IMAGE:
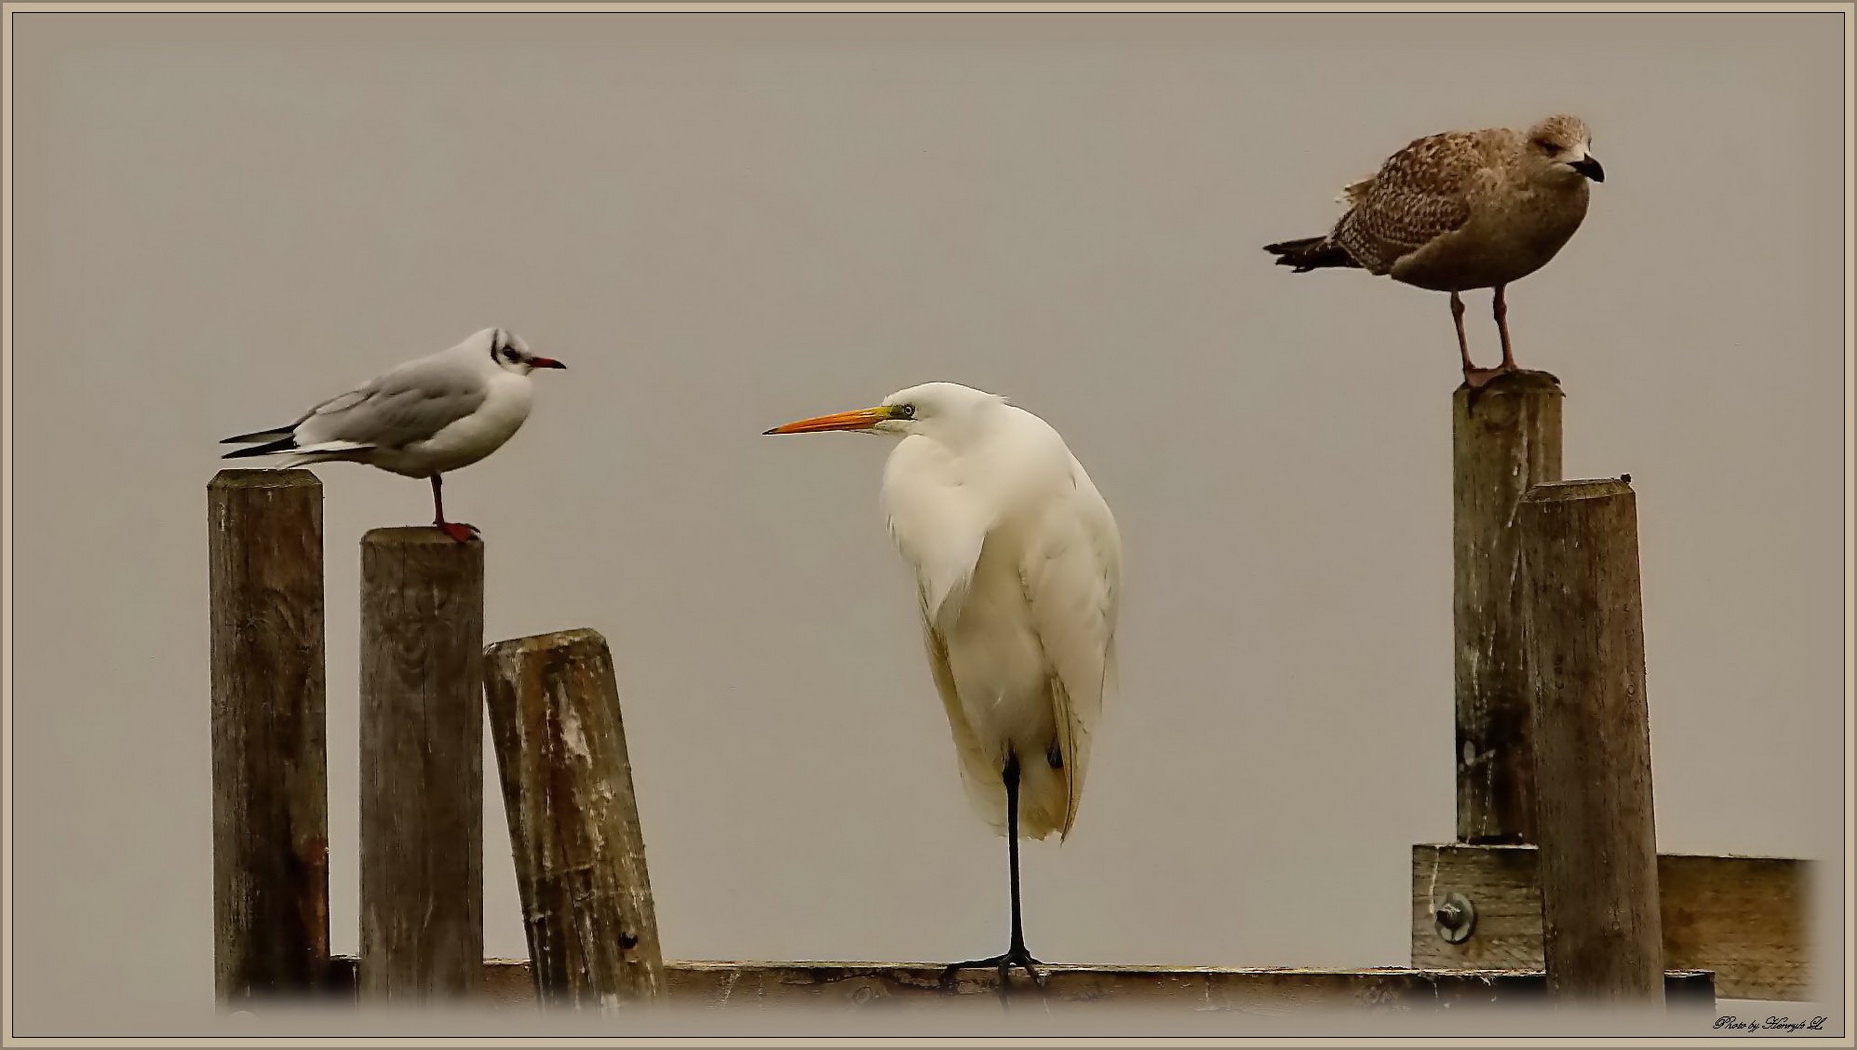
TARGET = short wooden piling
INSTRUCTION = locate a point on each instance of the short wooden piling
(422, 636)
(1583, 628)
(270, 786)
(1505, 438)
(573, 821)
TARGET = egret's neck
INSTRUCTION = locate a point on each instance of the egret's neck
(970, 432)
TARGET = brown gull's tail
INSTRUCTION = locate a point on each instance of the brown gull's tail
(1310, 253)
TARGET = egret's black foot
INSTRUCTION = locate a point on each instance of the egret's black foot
(1017, 956)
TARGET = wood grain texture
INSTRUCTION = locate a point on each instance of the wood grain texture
(1583, 629)
(914, 986)
(270, 780)
(422, 636)
(573, 821)
(1504, 438)
(1742, 917)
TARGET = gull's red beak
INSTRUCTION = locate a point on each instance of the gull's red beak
(545, 362)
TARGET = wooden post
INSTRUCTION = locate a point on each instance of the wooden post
(1745, 918)
(422, 636)
(573, 822)
(1505, 438)
(1584, 630)
(270, 787)
(883, 991)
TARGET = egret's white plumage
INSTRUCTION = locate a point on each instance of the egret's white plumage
(1018, 573)
(1018, 569)
(1017, 565)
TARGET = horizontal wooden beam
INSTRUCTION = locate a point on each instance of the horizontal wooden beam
(753, 985)
(1742, 917)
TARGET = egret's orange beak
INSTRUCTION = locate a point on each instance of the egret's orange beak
(861, 419)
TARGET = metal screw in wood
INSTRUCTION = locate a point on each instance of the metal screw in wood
(1455, 919)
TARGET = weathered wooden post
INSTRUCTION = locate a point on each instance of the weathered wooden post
(1584, 631)
(1505, 438)
(270, 787)
(422, 636)
(573, 822)
(1477, 902)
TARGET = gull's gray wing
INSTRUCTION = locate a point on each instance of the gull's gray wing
(400, 407)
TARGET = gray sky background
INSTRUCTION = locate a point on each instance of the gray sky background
(725, 222)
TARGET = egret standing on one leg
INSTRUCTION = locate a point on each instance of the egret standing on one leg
(1018, 571)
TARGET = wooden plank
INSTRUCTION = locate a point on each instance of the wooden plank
(1583, 636)
(573, 821)
(270, 779)
(422, 715)
(1742, 917)
(772, 985)
(1504, 438)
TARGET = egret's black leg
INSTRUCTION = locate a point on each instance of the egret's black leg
(1016, 955)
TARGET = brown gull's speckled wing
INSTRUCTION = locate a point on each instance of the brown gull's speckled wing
(1419, 194)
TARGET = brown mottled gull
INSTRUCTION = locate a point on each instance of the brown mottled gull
(1462, 210)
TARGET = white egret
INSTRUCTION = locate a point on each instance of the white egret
(431, 415)
(1018, 568)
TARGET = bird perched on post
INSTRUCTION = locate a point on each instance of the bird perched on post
(422, 419)
(1018, 569)
(1463, 210)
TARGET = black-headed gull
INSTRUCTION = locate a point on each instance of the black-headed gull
(422, 419)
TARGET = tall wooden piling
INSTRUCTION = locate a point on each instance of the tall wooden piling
(422, 636)
(270, 779)
(1505, 438)
(573, 821)
(1584, 632)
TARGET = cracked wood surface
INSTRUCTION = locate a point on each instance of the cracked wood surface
(1505, 437)
(573, 821)
(422, 782)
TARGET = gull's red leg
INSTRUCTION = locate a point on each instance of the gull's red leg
(1474, 377)
(1500, 307)
(456, 530)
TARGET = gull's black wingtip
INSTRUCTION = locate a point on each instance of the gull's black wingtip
(269, 448)
(268, 434)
